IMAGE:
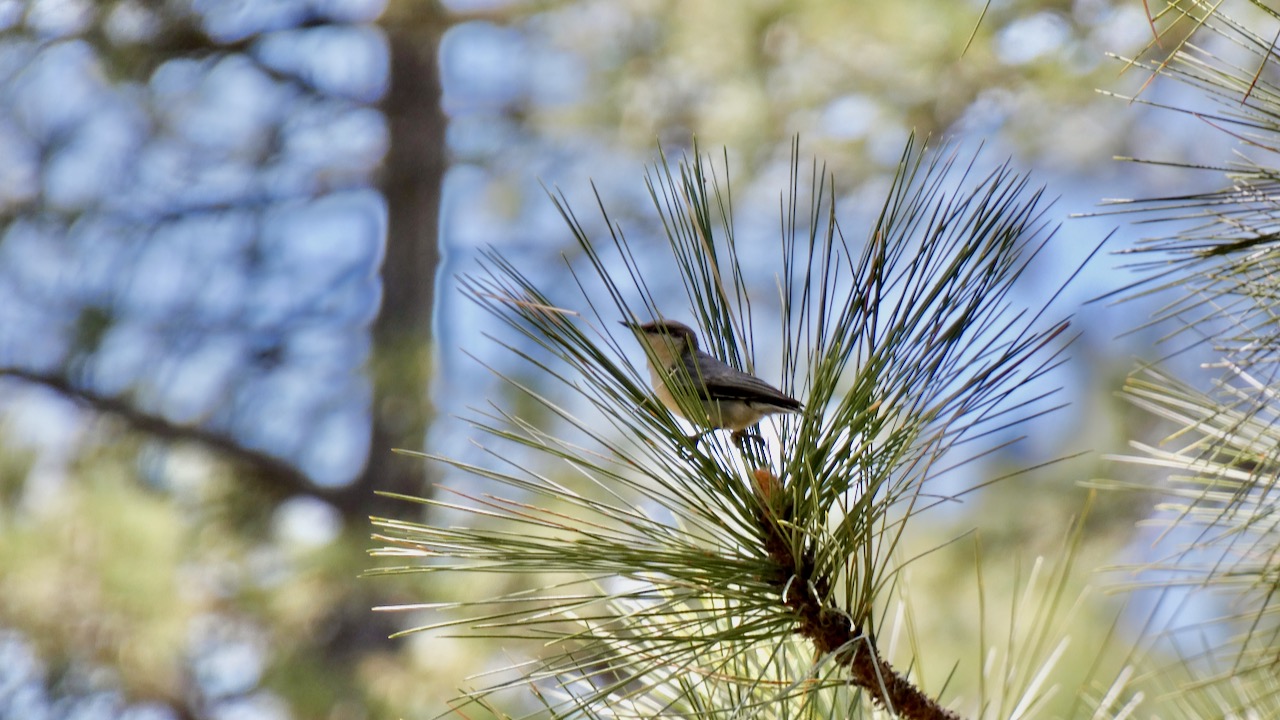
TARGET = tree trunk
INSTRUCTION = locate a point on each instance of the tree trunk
(413, 176)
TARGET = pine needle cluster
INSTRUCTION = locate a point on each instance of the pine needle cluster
(688, 577)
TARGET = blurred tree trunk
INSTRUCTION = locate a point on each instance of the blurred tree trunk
(413, 175)
(412, 178)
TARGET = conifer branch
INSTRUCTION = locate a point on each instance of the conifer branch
(803, 589)
(674, 584)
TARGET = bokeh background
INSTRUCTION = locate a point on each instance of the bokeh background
(231, 235)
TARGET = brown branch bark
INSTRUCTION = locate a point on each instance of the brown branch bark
(803, 589)
(282, 476)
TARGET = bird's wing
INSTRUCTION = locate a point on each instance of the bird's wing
(724, 382)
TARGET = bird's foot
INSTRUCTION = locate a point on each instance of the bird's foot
(690, 450)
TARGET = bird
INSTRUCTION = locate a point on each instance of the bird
(731, 399)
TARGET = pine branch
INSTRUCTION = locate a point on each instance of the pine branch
(805, 591)
(659, 578)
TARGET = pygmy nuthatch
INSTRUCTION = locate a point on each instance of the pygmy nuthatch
(730, 398)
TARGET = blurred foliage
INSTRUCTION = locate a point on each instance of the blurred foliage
(851, 78)
(94, 575)
(190, 234)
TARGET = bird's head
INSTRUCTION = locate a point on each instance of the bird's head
(665, 340)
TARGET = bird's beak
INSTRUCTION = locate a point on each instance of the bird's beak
(628, 324)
